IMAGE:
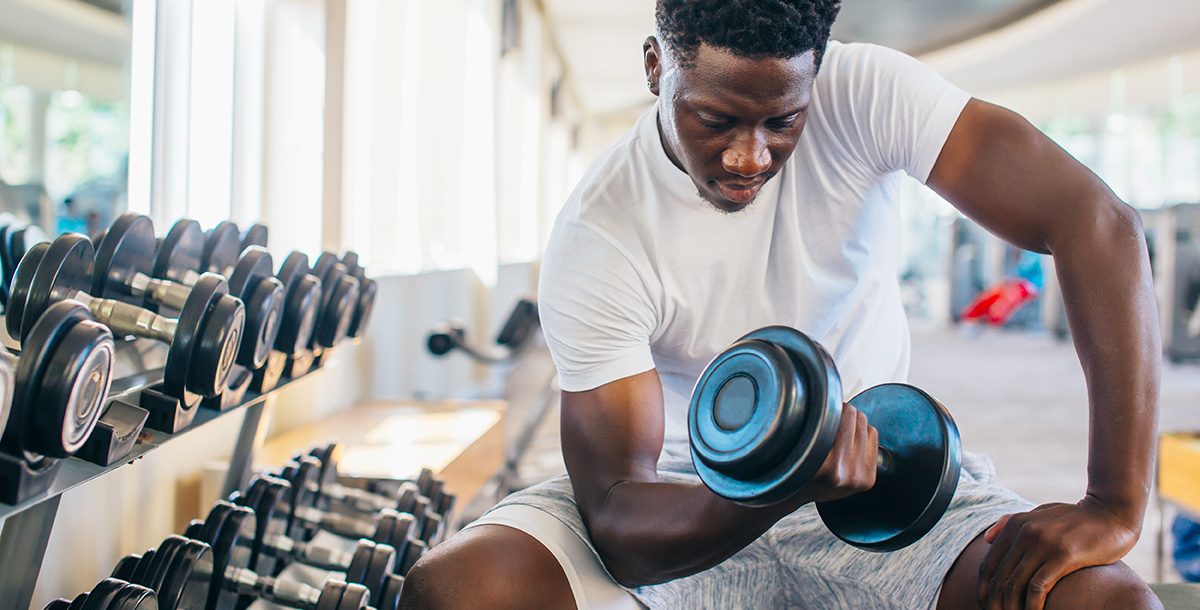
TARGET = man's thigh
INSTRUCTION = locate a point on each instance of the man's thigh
(488, 566)
(1113, 586)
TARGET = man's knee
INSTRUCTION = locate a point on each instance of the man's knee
(484, 567)
(1113, 586)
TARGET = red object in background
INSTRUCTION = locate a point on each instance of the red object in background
(998, 303)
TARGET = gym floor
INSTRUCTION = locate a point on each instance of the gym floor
(1018, 398)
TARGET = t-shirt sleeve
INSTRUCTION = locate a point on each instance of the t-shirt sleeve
(901, 111)
(595, 308)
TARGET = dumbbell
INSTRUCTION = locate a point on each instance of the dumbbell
(129, 269)
(255, 235)
(304, 472)
(763, 418)
(15, 240)
(275, 501)
(191, 575)
(367, 288)
(404, 496)
(110, 594)
(339, 296)
(203, 340)
(368, 564)
(53, 394)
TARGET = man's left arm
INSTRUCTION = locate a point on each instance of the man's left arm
(1014, 181)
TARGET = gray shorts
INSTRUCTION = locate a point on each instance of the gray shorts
(799, 564)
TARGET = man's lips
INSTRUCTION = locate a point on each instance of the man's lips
(739, 192)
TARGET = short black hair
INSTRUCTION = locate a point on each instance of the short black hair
(747, 28)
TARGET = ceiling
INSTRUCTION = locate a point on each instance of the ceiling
(601, 41)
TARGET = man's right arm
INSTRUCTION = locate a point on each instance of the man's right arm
(648, 531)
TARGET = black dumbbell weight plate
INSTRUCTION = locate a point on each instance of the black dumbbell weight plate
(181, 251)
(324, 264)
(220, 533)
(62, 379)
(360, 561)
(255, 235)
(222, 247)
(164, 557)
(412, 553)
(103, 593)
(220, 340)
(266, 508)
(184, 585)
(912, 494)
(19, 295)
(8, 264)
(366, 306)
(294, 266)
(64, 269)
(60, 604)
(126, 567)
(128, 250)
(142, 568)
(252, 266)
(26, 238)
(382, 564)
(264, 314)
(389, 598)
(350, 260)
(134, 597)
(301, 311)
(764, 415)
(186, 369)
(22, 240)
(327, 455)
(338, 312)
(353, 597)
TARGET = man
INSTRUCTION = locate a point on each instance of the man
(762, 189)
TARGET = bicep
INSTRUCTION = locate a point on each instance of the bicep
(1003, 173)
(612, 434)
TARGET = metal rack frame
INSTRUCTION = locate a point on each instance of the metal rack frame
(27, 525)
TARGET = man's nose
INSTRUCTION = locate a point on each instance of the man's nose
(748, 156)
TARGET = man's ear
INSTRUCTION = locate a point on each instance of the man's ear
(652, 58)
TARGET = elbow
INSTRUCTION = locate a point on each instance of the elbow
(1108, 223)
(627, 560)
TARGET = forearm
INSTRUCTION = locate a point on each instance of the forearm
(1104, 272)
(652, 532)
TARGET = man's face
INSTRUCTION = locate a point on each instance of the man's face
(730, 122)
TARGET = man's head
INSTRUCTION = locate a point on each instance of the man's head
(735, 78)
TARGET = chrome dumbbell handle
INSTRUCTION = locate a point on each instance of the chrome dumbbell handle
(125, 319)
(165, 292)
(282, 592)
(314, 555)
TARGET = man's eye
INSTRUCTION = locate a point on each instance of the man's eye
(712, 123)
(785, 123)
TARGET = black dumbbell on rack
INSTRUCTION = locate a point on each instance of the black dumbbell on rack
(129, 269)
(339, 296)
(368, 564)
(190, 575)
(110, 594)
(52, 396)
(275, 502)
(15, 240)
(255, 235)
(203, 340)
(367, 289)
(424, 494)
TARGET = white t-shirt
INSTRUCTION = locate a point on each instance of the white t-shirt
(640, 273)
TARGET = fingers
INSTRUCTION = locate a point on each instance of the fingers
(995, 555)
(990, 535)
(1042, 581)
(1003, 592)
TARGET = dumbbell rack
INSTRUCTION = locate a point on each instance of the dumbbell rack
(27, 525)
